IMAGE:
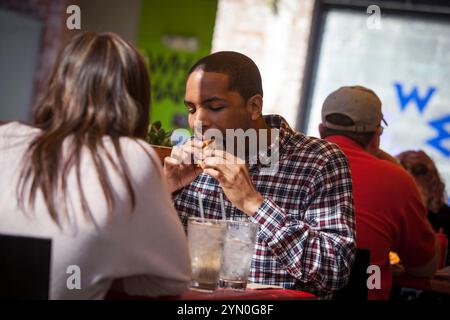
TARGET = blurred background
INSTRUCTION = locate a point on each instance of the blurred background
(305, 49)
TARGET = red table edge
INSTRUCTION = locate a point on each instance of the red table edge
(249, 294)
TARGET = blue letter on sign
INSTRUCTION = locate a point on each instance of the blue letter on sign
(443, 134)
(405, 98)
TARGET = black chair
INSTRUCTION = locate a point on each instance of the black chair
(24, 268)
(356, 288)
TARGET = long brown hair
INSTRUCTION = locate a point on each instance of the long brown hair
(99, 87)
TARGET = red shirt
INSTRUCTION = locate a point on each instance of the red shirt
(389, 213)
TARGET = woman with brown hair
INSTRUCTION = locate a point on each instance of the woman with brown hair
(83, 177)
(431, 187)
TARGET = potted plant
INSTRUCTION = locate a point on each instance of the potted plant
(160, 140)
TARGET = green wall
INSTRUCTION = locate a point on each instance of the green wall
(168, 67)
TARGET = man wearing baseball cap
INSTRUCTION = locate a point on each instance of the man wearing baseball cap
(388, 209)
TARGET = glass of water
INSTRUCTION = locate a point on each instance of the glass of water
(206, 239)
(237, 255)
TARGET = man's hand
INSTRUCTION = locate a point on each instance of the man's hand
(234, 178)
(180, 168)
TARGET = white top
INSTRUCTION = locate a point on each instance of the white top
(147, 248)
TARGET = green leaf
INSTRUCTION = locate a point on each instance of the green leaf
(158, 136)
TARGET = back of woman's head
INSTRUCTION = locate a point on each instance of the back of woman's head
(99, 87)
(427, 177)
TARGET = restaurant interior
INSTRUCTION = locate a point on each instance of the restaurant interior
(305, 50)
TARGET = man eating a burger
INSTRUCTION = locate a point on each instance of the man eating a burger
(297, 188)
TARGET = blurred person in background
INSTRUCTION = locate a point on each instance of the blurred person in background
(83, 177)
(388, 209)
(431, 187)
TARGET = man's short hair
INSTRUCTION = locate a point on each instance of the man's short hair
(361, 138)
(244, 75)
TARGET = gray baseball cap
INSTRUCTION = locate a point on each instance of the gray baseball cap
(358, 103)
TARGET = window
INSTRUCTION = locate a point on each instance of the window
(406, 62)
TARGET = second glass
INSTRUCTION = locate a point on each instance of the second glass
(237, 255)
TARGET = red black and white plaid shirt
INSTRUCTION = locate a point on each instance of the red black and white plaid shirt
(307, 235)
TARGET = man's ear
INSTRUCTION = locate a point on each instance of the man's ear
(321, 130)
(254, 106)
(375, 141)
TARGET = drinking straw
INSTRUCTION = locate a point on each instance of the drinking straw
(200, 203)
(222, 206)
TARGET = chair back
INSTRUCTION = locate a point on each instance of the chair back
(24, 268)
(356, 288)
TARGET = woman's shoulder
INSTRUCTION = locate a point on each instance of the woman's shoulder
(16, 128)
(16, 134)
(139, 154)
(136, 147)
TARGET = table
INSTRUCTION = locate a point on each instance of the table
(220, 294)
(440, 283)
(249, 294)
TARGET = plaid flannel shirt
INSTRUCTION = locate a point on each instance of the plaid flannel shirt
(307, 230)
